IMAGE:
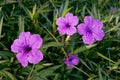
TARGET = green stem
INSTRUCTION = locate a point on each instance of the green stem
(67, 38)
(29, 76)
(55, 39)
(5, 48)
(81, 71)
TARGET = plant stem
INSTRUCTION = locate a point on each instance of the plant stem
(55, 40)
(67, 38)
(29, 76)
(81, 71)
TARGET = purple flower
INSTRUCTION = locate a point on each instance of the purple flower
(71, 60)
(26, 47)
(67, 25)
(113, 9)
(91, 30)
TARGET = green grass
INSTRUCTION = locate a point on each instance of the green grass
(100, 61)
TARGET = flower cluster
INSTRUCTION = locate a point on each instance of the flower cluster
(26, 48)
(27, 45)
(91, 29)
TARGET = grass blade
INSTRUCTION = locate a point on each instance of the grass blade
(21, 24)
(104, 57)
(1, 22)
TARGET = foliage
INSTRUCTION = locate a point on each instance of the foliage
(100, 61)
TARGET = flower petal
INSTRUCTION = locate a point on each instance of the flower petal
(82, 28)
(72, 20)
(99, 35)
(24, 36)
(88, 20)
(88, 38)
(97, 25)
(69, 66)
(62, 30)
(60, 21)
(35, 56)
(22, 58)
(71, 30)
(17, 45)
(75, 61)
(68, 16)
(35, 41)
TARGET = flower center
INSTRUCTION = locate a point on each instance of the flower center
(89, 30)
(67, 25)
(70, 59)
(27, 49)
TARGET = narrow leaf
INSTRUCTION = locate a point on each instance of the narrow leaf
(1, 22)
(8, 74)
(104, 57)
(3, 61)
(65, 8)
(83, 48)
(48, 71)
(51, 44)
(115, 66)
(33, 11)
(6, 54)
(21, 24)
(100, 75)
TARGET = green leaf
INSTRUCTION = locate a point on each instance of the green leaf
(7, 75)
(3, 2)
(3, 61)
(83, 11)
(34, 11)
(56, 76)
(90, 12)
(115, 66)
(44, 73)
(83, 48)
(113, 28)
(44, 8)
(50, 33)
(84, 63)
(47, 64)
(39, 67)
(65, 8)
(38, 77)
(54, 19)
(52, 44)
(1, 22)
(94, 10)
(81, 70)
(48, 71)
(104, 57)
(25, 9)
(21, 24)
(100, 75)
(6, 54)
(47, 19)
(92, 77)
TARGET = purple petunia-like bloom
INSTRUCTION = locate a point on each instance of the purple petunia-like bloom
(113, 9)
(91, 30)
(67, 25)
(26, 47)
(71, 60)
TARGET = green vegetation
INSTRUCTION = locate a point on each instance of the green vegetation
(100, 61)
